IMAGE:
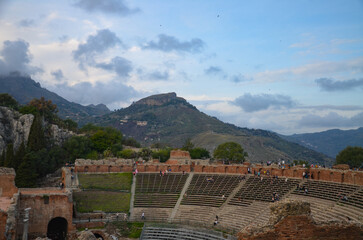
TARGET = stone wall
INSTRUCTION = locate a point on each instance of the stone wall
(118, 165)
(7, 185)
(45, 205)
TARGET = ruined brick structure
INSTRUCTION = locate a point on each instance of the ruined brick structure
(295, 222)
(46, 205)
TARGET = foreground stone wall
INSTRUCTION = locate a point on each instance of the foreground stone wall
(7, 184)
(45, 205)
(203, 166)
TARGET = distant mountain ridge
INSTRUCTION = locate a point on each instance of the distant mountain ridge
(329, 142)
(170, 119)
(24, 89)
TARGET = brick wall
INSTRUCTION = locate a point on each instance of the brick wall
(324, 174)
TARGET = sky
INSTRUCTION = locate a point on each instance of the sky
(285, 66)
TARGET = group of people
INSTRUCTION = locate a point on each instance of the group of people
(164, 172)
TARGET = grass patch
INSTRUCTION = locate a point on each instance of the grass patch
(129, 229)
(89, 201)
(109, 181)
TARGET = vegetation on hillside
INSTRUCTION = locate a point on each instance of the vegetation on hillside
(353, 156)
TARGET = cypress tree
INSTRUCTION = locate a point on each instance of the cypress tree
(9, 156)
(2, 158)
(26, 175)
(36, 140)
(19, 155)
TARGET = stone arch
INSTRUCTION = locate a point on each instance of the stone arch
(203, 168)
(109, 168)
(57, 228)
(319, 175)
(98, 235)
(225, 169)
(283, 172)
(342, 178)
(97, 168)
(86, 169)
(121, 168)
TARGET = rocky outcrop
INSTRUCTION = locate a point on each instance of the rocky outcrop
(59, 135)
(14, 127)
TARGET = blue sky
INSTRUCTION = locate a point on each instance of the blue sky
(286, 66)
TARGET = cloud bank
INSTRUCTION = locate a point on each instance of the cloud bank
(329, 85)
(167, 43)
(117, 7)
(253, 103)
(16, 58)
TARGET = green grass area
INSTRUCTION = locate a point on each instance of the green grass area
(88, 201)
(129, 229)
(109, 181)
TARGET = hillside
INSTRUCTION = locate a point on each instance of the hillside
(24, 89)
(170, 119)
(329, 142)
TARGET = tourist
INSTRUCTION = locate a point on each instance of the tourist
(143, 216)
(125, 217)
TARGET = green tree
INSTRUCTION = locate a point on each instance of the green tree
(230, 151)
(353, 156)
(163, 154)
(26, 175)
(145, 154)
(2, 158)
(127, 154)
(9, 156)
(70, 125)
(199, 153)
(104, 139)
(77, 147)
(188, 145)
(131, 142)
(45, 108)
(36, 140)
(19, 155)
(7, 100)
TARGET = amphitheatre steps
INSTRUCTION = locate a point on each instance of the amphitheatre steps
(191, 213)
(177, 234)
(238, 217)
(151, 214)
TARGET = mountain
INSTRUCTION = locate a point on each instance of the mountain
(329, 142)
(24, 89)
(170, 119)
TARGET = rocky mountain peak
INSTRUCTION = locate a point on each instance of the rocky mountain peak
(160, 99)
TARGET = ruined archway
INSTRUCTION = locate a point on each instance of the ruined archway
(57, 228)
(98, 236)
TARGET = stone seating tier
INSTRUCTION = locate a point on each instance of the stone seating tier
(332, 191)
(262, 190)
